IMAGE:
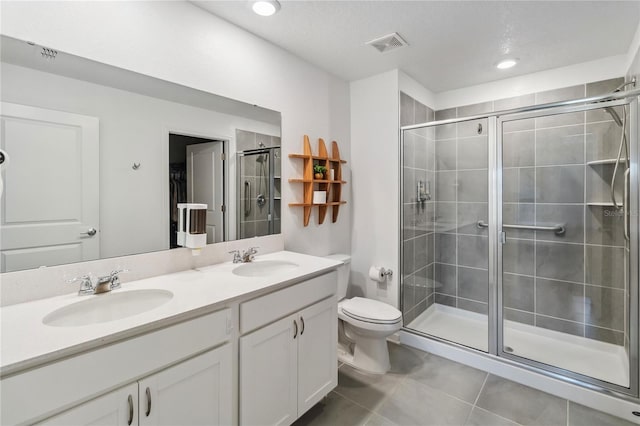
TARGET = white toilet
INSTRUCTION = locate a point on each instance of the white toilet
(363, 326)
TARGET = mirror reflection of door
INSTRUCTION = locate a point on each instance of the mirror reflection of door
(49, 206)
(196, 175)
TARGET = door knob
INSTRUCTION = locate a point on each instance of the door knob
(90, 232)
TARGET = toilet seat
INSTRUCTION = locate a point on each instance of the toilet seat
(371, 311)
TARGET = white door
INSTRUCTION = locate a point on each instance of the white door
(50, 200)
(194, 392)
(117, 408)
(205, 183)
(268, 374)
(317, 353)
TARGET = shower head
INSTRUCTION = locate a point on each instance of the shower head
(612, 112)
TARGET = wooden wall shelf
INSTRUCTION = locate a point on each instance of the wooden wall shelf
(332, 187)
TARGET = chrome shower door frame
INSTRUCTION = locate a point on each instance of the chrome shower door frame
(497, 231)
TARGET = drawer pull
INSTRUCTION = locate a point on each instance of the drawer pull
(130, 401)
(148, 402)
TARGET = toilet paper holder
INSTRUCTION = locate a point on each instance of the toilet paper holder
(386, 272)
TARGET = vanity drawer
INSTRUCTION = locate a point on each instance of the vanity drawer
(266, 309)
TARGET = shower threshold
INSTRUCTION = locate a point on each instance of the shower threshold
(569, 352)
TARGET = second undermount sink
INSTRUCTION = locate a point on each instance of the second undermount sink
(107, 307)
(263, 268)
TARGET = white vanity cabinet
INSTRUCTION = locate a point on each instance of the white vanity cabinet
(117, 408)
(290, 364)
(188, 368)
(194, 392)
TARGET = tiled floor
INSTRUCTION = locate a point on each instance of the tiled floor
(423, 389)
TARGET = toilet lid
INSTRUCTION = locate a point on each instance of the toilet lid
(370, 310)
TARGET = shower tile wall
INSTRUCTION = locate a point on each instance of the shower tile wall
(256, 223)
(418, 236)
(572, 283)
(461, 266)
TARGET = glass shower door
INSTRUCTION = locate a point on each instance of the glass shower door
(255, 203)
(445, 254)
(565, 300)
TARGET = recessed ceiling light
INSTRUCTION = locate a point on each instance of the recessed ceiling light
(506, 63)
(265, 7)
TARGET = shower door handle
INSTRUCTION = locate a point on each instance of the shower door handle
(247, 198)
(625, 203)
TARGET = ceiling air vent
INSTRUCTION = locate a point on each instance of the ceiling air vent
(388, 43)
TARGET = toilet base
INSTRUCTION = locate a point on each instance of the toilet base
(368, 355)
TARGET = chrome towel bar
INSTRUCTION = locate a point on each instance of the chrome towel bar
(558, 229)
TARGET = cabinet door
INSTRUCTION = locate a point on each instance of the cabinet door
(317, 353)
(268, 374)
(116, 408)
(194, 392)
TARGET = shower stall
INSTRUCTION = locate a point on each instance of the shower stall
(258, 211)
(519, 234)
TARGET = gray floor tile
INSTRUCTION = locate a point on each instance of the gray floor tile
(334, 410)
(480, 417)
(522, 404)
(367, 390)
(579, 415)
(376, 420)
(451, 377)
(416, 404)
(404, 360)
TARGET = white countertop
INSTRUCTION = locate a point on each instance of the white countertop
(25, 341)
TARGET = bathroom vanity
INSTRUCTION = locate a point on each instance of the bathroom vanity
(232, 344)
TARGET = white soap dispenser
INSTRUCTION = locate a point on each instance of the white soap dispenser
(192, 226)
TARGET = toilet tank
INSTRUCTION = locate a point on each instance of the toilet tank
(343, 273)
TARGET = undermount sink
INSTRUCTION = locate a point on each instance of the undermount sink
(107, 307)
(263, 268)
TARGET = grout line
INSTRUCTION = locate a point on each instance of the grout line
(475, 403)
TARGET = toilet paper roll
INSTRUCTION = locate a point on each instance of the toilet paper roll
(377, 274)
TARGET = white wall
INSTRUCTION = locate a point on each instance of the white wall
(417, 91)
(374, 153)
(179, 42)
(587, 72)
(133, 129)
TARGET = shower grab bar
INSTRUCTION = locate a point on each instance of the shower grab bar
(247, 198)
(558, 229)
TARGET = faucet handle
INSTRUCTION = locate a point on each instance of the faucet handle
(115, 277)
(253, 250)
(236, 256)
(86, 284)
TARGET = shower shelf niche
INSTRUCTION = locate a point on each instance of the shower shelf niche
(332, 187)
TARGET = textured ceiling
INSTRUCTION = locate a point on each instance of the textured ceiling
(452, 44)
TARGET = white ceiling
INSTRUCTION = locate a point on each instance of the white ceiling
(452, 44)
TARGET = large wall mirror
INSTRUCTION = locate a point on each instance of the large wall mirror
(97, 158)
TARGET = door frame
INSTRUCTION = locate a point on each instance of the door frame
(202, 134)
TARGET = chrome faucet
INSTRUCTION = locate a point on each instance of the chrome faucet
(104, 284)
(246, 256)
(249, 255)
